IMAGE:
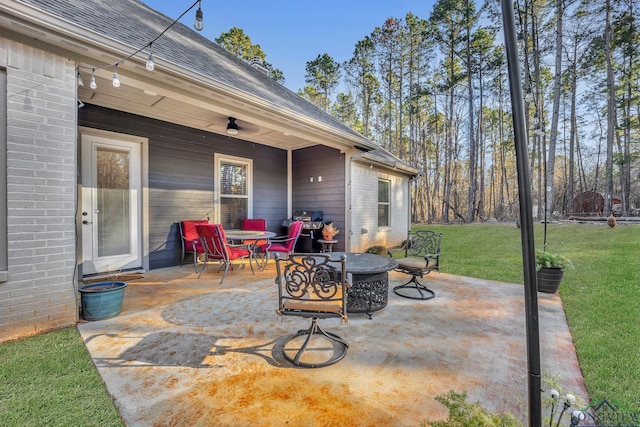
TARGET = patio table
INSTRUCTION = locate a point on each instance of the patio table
(369, 290)
(256, 236)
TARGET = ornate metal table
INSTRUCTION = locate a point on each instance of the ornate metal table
(369, 289)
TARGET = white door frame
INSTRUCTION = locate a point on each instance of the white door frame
(142, 220)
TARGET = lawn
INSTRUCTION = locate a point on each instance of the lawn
(601, 296)
(50, 380)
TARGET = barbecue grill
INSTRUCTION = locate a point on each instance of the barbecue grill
(312, 224)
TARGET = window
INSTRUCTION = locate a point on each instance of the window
(383, 203)
(234, 188)
(3, 173)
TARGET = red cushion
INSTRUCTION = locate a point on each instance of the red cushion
(275, 247)
(190, 234)
(235, 253)
(254, 224)
(188, 246)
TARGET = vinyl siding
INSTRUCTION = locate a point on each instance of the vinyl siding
(327, 194)
(181, 169)
(364, 208)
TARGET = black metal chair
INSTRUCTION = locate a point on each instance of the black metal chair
(312, 286)
(421, 256)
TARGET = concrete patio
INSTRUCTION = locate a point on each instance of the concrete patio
(188, 351)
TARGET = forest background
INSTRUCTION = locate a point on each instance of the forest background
(434, 91)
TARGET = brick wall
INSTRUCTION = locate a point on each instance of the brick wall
(40, 293)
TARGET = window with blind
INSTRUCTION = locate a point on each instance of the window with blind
(383, 203)
(233, 185)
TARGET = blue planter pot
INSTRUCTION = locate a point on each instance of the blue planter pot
(102, 300)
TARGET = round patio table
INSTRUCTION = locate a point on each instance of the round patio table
(369, 290)
(237, 234)
(253, 236)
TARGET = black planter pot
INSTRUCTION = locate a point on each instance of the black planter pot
(549, 279)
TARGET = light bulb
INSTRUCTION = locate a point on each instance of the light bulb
(79, 80)
(116, 79)
(92, 83)
(198, 22)
(151, 65)
(536, 120)
(555, 394)
(521, 40)
(528, 96)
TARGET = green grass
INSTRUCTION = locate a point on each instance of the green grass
(601, 296)
(50, 380)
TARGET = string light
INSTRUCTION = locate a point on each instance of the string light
(538, 130)
(529, 95)
(92, 83)
(150, 64)
(197, 24)
(116, 79)
(520, 40)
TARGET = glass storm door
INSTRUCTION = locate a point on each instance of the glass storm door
(111, 205)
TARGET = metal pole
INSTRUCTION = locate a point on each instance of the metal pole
(526, 220)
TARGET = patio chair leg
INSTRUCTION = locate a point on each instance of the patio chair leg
(204, 265)
(226, 269)
(313, 330)
(423, 293)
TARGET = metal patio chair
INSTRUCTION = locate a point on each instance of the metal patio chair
(191, 240)
(217, 248)
(312, 286)
(421, 256)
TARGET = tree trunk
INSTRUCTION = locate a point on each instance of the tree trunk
(557, 93)
(611, 107)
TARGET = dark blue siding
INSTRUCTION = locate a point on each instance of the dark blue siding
(181, 175)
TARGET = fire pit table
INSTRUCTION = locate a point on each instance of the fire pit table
(369, 290)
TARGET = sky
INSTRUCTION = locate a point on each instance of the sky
(294, 32)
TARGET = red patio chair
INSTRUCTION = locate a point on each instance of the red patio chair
(191, 240)
(216, 247)
(258, 224)
(281, 244)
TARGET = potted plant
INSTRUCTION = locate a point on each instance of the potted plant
(329, 231)
(550, 269)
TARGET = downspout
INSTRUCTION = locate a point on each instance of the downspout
(409, 182)
(289, 183)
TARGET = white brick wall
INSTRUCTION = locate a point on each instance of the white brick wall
(41, 191)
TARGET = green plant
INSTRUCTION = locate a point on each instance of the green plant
(378, 250)
(463, 413)
(550, 260)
